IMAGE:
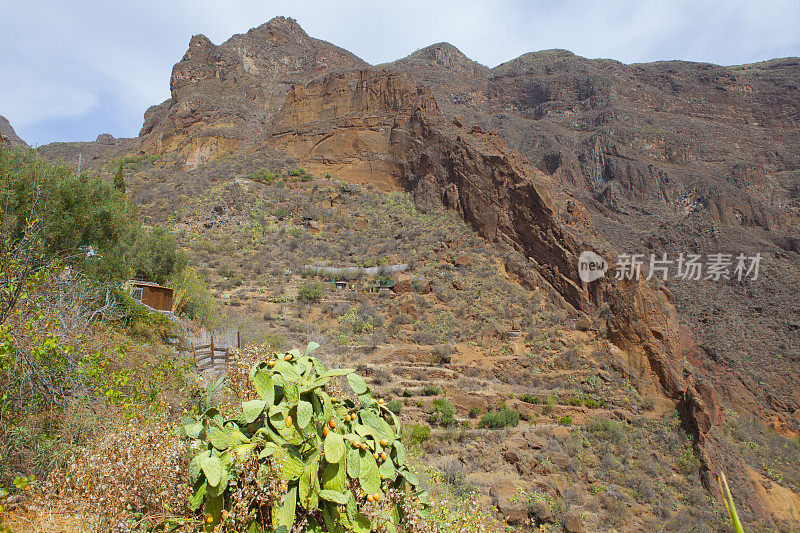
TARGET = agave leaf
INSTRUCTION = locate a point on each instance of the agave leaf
(383, 429)
(353, 463)
(333, 496)
(264, 386)
(212, 468)
(253, 409)
(334, 477)
(208, 395)
(334, 447)
(357, 383)
(283, 515)
(369, 476)
(304, 413)
(310, 472)
(311, 347)
(387, 470)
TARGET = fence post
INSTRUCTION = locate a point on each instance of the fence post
(212, 350)
(238, 340)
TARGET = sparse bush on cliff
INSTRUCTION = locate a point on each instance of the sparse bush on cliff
(500, 419)
(442, 412)
(310, 292)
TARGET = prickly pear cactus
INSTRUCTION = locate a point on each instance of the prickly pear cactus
(336, 455)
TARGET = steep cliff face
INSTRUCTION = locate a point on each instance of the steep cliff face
(342, 123)
(510, 202)
(226, 96)
(670, 157)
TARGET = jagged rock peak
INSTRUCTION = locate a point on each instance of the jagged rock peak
(277, 30)
(7, 133)
(286, 24)
(444, 54)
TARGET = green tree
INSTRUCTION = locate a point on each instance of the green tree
(82, 221)
(119, 178)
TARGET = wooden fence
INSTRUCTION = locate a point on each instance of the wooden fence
(207, 355)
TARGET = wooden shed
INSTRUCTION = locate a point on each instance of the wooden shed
(156, 296)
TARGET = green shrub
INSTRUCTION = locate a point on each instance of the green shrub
(297, 172)
(500, 419)
(323, 448)
(191, 298)
(530, 398)
(565, 420)
(442, 412)
(263, 176)
(592, 404)
(420, 433)
(549, 403)
(430, 390)
(474, 412)
(82, 220)
(310, 292)
(395, 406)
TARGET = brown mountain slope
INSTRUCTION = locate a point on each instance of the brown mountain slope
(671, 157)
(588, 154)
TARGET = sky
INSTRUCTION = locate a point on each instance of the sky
(73, 70)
